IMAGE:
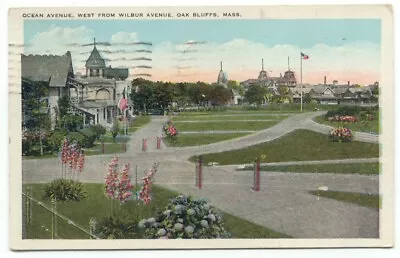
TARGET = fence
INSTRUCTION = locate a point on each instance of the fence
(43, 221)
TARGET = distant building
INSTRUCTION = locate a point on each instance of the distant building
(221, 77)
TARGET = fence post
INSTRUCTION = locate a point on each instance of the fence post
(200, 170)
(102, 147)
(256, 186)
(52, 219)
(144, 144)
(158, 142)
(30, 205)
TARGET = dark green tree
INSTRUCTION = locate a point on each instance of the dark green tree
(255, 94)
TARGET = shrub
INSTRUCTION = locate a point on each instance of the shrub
(89, 137)
(99, 130)
(115, 129)
(341, 134)
(56, 138)
(64, 190)
(185, 217)
(121, 227)
(72, 122)
(76, 137)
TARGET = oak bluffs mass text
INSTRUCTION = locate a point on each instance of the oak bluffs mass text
(134, 15)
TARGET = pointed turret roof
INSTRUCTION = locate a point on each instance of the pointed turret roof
(221, 76)
(95, 60)
(263, 74)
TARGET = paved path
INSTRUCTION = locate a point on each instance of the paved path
(283, 204)
(314, 162)
(217, 132)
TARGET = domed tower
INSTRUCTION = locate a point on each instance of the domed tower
(221, 76)
(95, 64)
(263, 74)
(289, 79)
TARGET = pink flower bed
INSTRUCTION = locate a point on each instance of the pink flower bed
(341, 134)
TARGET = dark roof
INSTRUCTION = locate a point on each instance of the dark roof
(116, 73)
(51, 68)
(95, 60)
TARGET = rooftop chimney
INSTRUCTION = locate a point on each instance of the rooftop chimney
(348, 83)
(324, 80)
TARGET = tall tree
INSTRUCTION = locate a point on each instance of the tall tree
(255, 94)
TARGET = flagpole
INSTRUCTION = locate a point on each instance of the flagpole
(301, 82)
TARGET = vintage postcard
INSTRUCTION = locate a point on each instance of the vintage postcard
(201, 127)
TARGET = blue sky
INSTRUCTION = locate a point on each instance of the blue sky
(302, 33)
(341, 49)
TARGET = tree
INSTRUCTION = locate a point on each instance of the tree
(255, 94)
(115, 129)
(219, 95)
(63, 106)
(36, 110)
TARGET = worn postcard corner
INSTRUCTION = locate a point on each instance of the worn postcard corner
(201, 127)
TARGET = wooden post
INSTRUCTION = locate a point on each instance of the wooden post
(200, 170)
(158, 142)
(256, 186)
(102, 147)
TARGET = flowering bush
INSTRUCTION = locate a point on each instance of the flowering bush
(144, 194)
(185, 217)
(71, 155)
(170, 130)
(348, 119)
(341, 134)
(118, 185)
(34, 141)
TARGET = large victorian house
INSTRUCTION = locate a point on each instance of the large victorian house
(94, 96)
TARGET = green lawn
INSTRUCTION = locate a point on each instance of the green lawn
(228, 117)
(97, 205)
(109, 148)
(184, 140)
(361, 126)
(138, 122)
(220, 125)
(366, 200)
(296, 146)
(355, 168)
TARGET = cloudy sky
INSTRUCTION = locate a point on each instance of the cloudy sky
(343, 50)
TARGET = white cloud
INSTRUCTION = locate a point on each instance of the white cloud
(239, 56)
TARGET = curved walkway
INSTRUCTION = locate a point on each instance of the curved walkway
(283, 204)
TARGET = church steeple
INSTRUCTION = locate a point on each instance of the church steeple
(94, 42)
(263, 74)
(221, 76)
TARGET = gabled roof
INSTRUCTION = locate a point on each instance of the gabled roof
(51, 68)
(95, 60)
(116, 73)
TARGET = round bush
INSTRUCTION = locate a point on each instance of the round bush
(185, 217)
(89, 137)
(64, 190)
(121, 227)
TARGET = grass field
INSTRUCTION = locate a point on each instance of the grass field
(184, 140)
(366, 200)
(109, 148)
(221, 125)
(355, 168)
(226, 117)
(97, 205)
(361, 126)
(296, 146)
(138, 122)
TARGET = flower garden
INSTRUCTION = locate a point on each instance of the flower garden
(122, 209)
(354, 118)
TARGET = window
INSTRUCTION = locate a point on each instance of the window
(104, 113)
(97, 72)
